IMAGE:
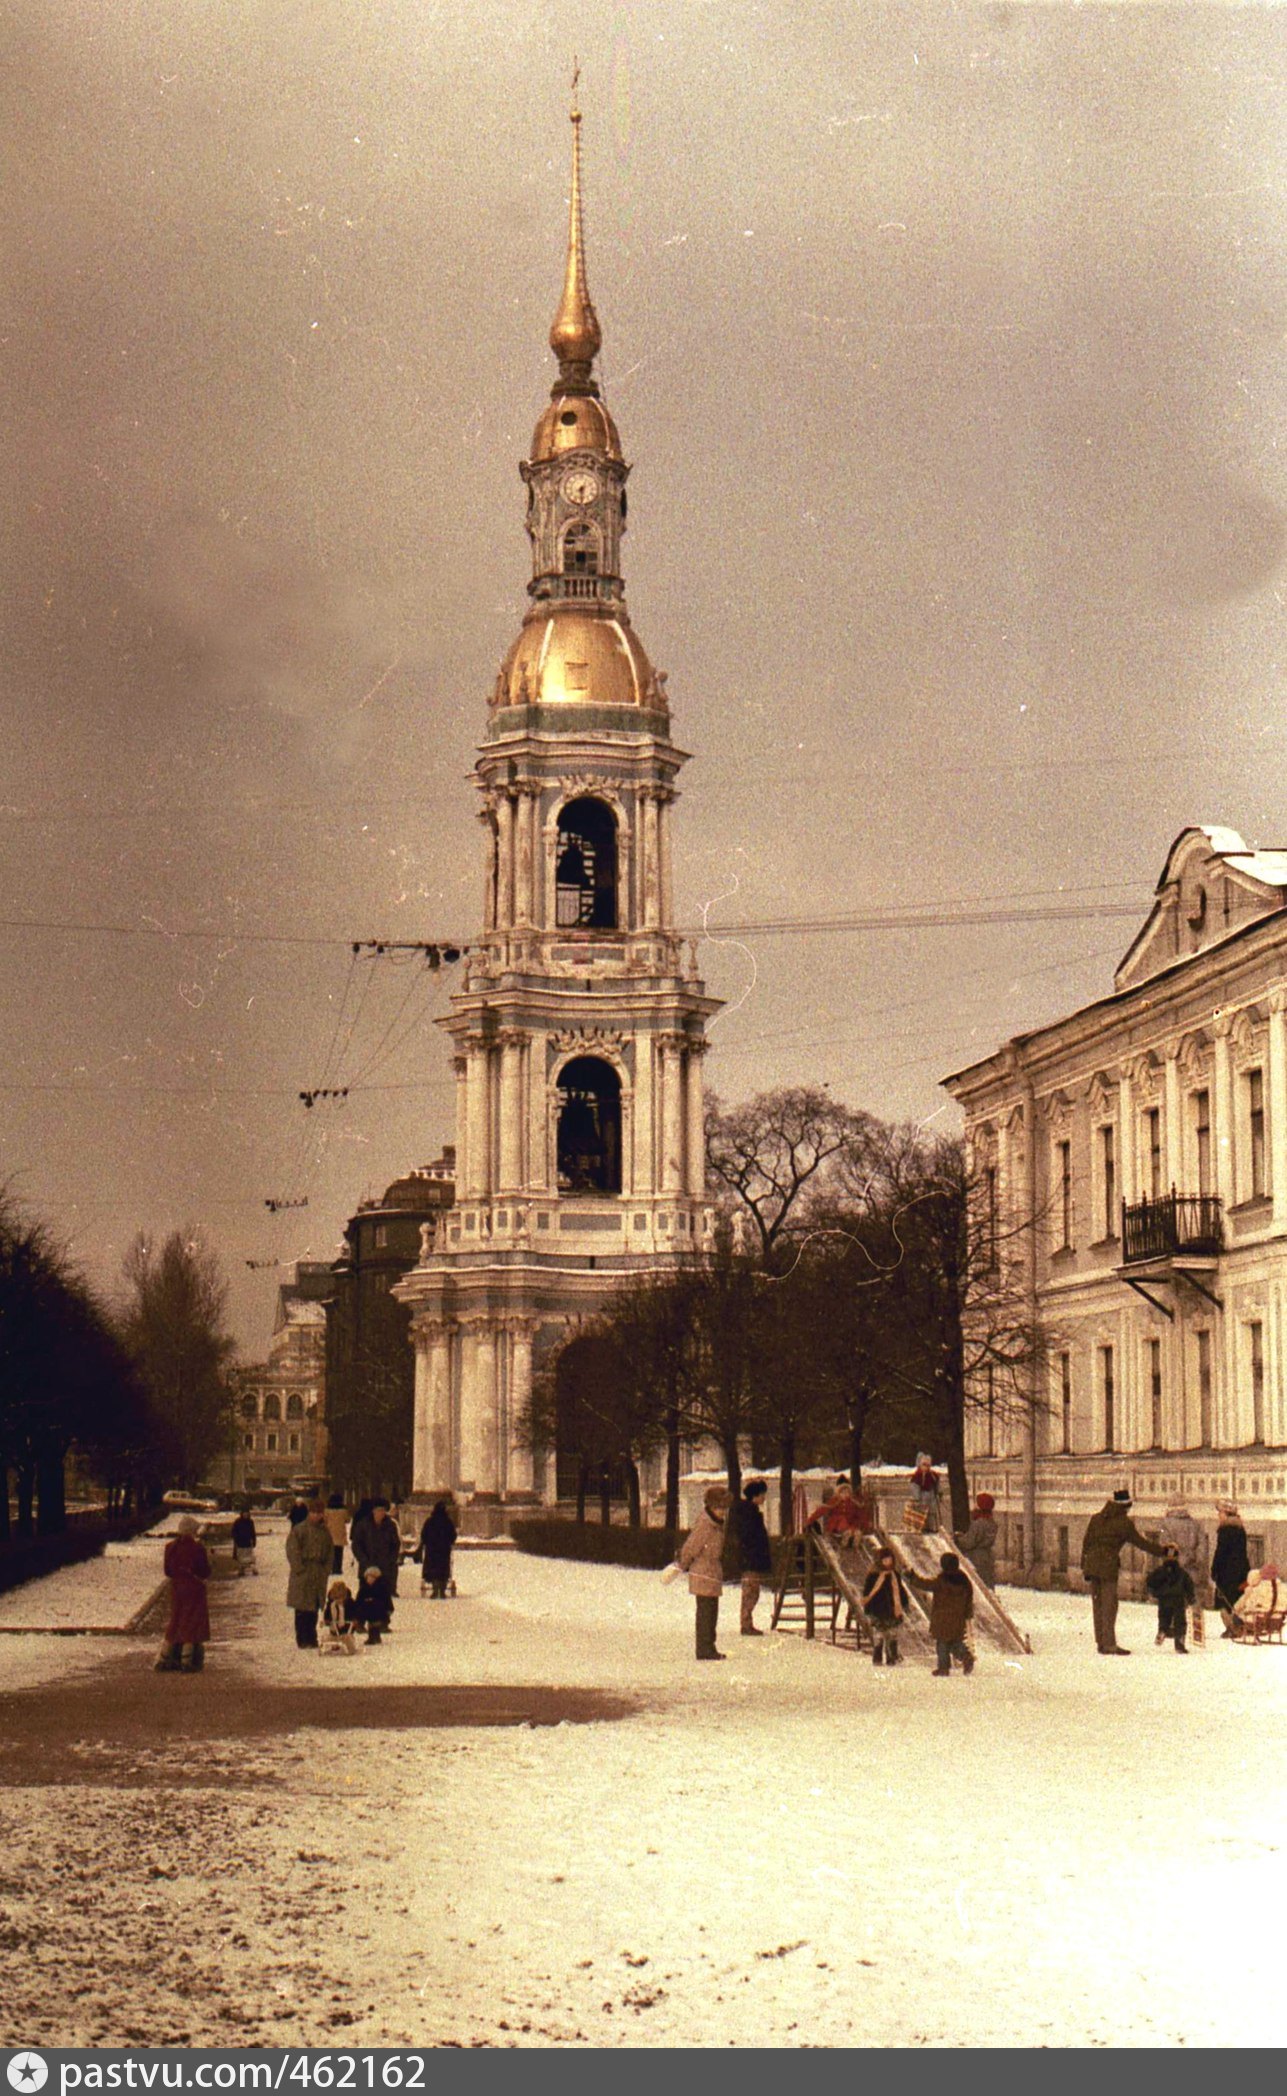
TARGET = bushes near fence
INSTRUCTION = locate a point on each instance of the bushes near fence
(590, 1543)
(34, 1556)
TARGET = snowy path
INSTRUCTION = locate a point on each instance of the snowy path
(791, 1849)
(103, 1594)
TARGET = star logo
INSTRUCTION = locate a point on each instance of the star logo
(26, 2070)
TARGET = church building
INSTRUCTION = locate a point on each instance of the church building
(580, 1028)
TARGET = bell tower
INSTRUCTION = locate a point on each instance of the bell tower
(579, 1031)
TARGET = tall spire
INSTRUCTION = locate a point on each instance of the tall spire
(575, 336)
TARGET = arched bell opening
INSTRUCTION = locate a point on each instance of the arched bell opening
(585, 879)
(588, 1146)
(580, 550)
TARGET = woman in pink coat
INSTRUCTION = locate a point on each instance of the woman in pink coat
(187, 1568)
(702, 1558)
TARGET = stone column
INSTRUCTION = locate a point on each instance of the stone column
(526, 871)
(478, 1142)
(421, 1449)
(671, 1047)
(487, 817)
(505, 861)
(665, 886)
(1173, 1133)
(1223, 1110)
(511, 1110)
(522, 1331)
(643, 1178)
(696, 1127)
(433, 1467)
(1126, 1138)
(537, 1111)
(1277, 1086)
(486, 1466)
(650, 869)
(460, 1065)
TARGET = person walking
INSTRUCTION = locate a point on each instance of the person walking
(244, 1541)
(754, 1551)
(978, 1542)
(437, 1540)
(884, 1601)
(1230, 1563)
(337, 1527)
(187, 1567)
(1107, 1534)
(701, 1556)
(951, 1607)
(1172, 1589)
(308, 1553)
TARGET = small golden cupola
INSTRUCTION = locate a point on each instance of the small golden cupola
(577, 643)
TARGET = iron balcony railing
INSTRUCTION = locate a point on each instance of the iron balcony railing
(1173, 1224)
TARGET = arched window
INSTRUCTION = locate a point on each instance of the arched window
(586, 866)
(250, 1406)
(272, 1406)
(294, 1406)
(580, 550)
(589, 1131)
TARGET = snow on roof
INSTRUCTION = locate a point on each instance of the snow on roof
(1267, 866)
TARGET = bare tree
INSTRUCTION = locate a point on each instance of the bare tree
(772, 1158)
(173, 1323)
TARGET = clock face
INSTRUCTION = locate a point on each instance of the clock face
(580, 486)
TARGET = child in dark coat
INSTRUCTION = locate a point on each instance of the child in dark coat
(373, 1604)
(884, 1601)
(951, 1607)
(338, 1618)
(1172, 1589)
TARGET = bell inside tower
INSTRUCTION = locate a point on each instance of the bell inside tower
(585, 876)
(589, 1130)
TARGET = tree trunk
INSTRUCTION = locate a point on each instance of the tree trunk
(672, 1468)
(953, 1429)
(51, 1484)
(733, 1465)
(786, 1484)
(605, 1497)
(4, 1503)
(857, 1426)
(582, 1482)
(26, 1494)
(633, 1495)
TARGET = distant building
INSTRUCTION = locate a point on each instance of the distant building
(280, 1431)
(1147, 1136)
(370, 1360)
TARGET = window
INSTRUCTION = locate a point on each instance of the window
(294, 1406)
(585, 878)
(1153, 1152)
(589, 1127)
(1202, 1138)
(272, 1406)
(1108, 1394)
(990, 1229)
(1204, 1388)
(294, 1444)
(1065, 1404)
(250, 1406)
(1256, 1347)
(1256, 1135)
(1063, 1176)
(381, 1237)
(1108, 1177)
(248, 1443)
(1155, 1392)
(580, 550)
(271, 1444)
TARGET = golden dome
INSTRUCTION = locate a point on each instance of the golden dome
(565, 653)
(575, 422)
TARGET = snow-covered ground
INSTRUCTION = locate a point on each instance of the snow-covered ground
(104, 1593)
(791, 1849)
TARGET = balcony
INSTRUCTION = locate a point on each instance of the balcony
(1175, 1226)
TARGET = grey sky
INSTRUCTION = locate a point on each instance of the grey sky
(947, 344)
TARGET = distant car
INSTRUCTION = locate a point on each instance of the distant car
(189, 1503)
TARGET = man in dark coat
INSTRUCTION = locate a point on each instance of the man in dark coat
(375, 1540)
(752, 1551)
(1230, 1564)
(308, 1553)
(1107, 1534)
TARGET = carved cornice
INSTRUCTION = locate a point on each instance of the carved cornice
(587, 1040)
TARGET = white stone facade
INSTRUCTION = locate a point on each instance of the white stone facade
(1146, 1138)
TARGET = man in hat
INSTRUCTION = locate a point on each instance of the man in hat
(1107, 1534)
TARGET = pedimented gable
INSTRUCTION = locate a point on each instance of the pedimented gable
(1211, 885)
